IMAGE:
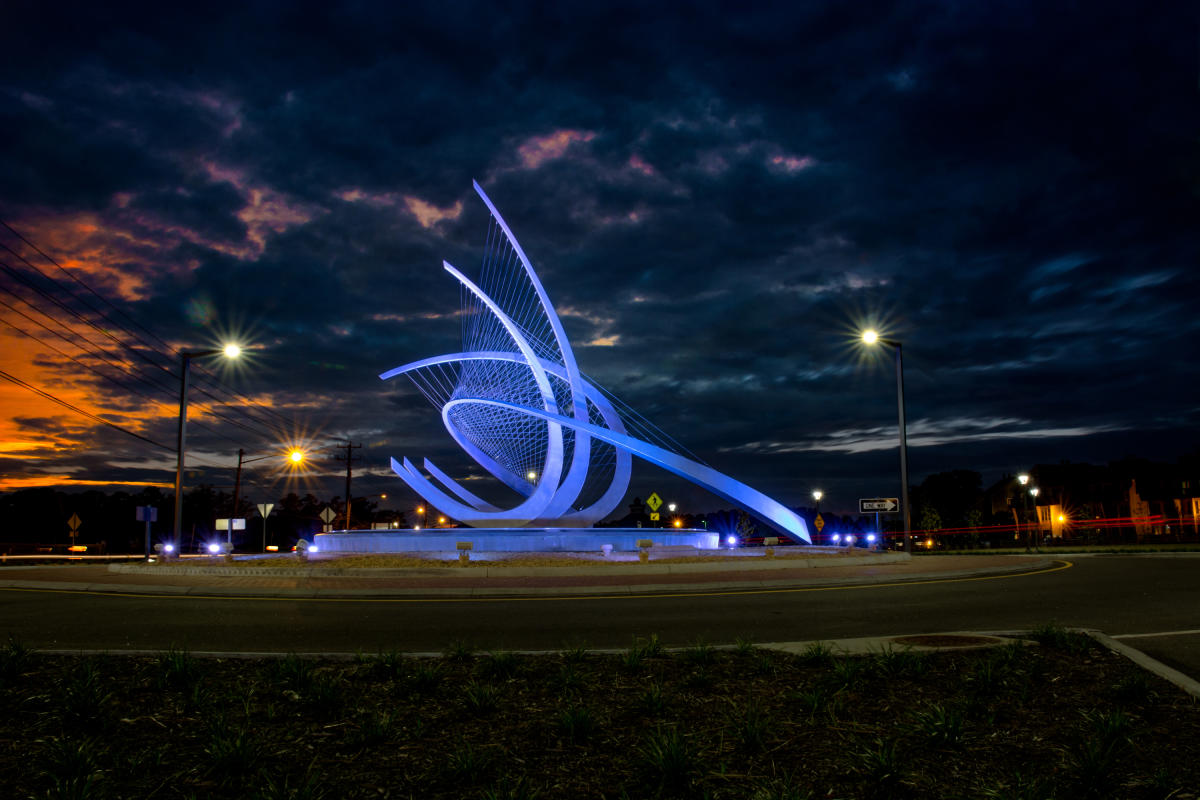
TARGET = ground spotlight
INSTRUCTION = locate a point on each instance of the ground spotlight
(168, 548)
(312, 548)
(870, 538)
(836, 538)
(214, 548)
(731, 540)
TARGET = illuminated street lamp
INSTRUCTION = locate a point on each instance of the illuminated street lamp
(229, 351)
(871, 337)
(295, 457)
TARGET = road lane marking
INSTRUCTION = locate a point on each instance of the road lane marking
(1062, 565)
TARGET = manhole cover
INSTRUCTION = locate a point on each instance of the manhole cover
(945, 640)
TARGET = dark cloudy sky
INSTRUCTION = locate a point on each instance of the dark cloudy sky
(716, 198)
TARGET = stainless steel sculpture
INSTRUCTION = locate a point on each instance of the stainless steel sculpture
(515, 401)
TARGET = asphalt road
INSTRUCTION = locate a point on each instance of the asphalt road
(1125, 596)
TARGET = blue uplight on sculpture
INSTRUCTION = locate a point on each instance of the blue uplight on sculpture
(515, 401)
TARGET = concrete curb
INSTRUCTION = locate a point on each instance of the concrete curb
(814, 583)
(1188, 684)
(458, 573)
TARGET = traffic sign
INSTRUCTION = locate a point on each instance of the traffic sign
(264, 509)
(654, 516)
(327, 515)
(818, 523)
(874, 505)
(74, 522)
(239, 524)
(147, 514)
(654, 501)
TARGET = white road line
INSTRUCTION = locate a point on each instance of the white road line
(1164, 633)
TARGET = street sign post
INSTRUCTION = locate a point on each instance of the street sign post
(147, 514)
(265, 510)
(875, 505)
(74, 523)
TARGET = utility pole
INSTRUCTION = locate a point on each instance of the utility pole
(349, 459)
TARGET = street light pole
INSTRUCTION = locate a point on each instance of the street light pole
(871, 337)
(229, 351)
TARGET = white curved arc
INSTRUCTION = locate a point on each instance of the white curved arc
(770, 510)
(547, 485)
(581, 453)
(444, 502)
(471, 499)
(622, 469)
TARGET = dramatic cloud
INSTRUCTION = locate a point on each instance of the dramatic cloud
(716, 199)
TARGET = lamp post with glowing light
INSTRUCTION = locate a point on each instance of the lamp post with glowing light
(1037, 532)
(295, 457)
(871, 337)
(229, 351)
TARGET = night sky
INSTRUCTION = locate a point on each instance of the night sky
(716, 201)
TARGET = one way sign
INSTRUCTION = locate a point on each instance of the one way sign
(873, 505)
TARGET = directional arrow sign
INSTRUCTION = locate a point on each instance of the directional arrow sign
(327, 515)
(872, 505)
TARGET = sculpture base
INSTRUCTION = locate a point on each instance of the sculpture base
(511, 540)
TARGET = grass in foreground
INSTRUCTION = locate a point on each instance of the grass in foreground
(1063, 718)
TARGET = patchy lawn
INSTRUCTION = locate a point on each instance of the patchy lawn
(1064, 718)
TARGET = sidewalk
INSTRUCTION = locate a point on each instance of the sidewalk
(481, 581)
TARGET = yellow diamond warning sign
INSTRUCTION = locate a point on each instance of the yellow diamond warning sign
(818, 523)
(654, 501)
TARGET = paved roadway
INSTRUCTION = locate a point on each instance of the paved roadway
(1125, 596)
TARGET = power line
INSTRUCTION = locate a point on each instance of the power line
(78, 410)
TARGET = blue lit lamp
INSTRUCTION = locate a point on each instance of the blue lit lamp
(229, 351)
(871, 337)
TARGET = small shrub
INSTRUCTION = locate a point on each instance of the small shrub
(294, 672)
(845, 672)
(1133, 689)
(816, 700)
(324, 695)
(73, 766)
(85, 698)
(468, 764)
(669, 757)
(1055, 637)
(576, 724)
(785, 787)
(388, 665)
(481, 698)
(651, 700)
(894, 662)
(939, 726)
(308, 787)
(459, 650)
(1019, 787)
(575, 653)
(427, 676)
(880, 764)
(374, 728)
(701, 654)
(509, 789)
(750, 727)
(743, 646)
(13, 659)
(232, 753)
(500, 665)
(177, 670)
(569, 679)
(817, 653)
